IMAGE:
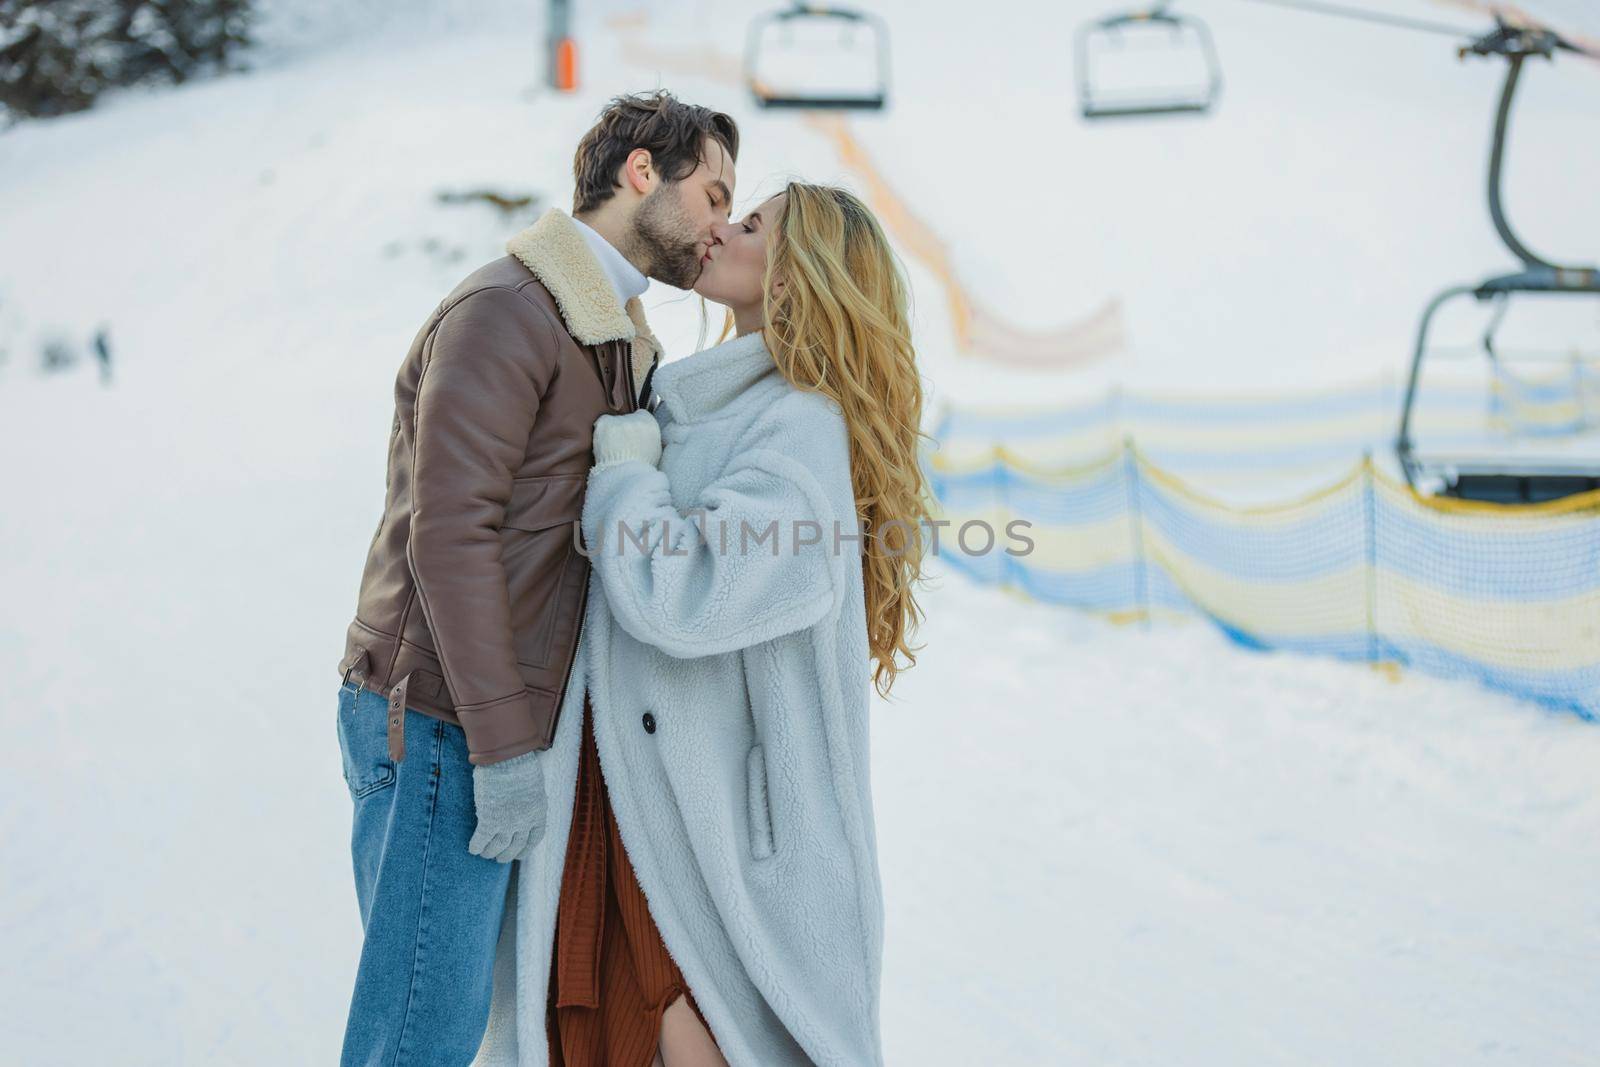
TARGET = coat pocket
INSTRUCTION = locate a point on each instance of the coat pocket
(364, 741)
(760, 810)
(536, 550)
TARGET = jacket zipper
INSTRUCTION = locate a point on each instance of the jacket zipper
(566, 678)
(627, 372)
(583, 598)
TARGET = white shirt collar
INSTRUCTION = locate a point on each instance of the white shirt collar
(624, 277)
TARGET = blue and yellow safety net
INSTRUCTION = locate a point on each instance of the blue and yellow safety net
(1299, 438)
(1363, 568)
(1554, 404)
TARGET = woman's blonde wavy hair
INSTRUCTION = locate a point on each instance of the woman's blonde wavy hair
(840, 325)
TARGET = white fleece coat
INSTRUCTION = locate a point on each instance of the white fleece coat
(747, 812)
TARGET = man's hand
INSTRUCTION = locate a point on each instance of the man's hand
(617, 438)
(509, 797)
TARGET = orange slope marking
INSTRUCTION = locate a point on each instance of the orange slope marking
(978, 330)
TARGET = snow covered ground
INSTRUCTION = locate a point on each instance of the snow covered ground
(1177, 851)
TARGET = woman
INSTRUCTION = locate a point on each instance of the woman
(731, 626)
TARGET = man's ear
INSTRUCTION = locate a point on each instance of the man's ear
(639, 171)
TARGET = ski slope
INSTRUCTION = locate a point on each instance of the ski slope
(1165, 850)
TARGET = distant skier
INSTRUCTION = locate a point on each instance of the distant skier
(102, 354)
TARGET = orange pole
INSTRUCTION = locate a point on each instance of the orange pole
(567, 65)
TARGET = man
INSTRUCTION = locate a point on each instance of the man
(467, 621)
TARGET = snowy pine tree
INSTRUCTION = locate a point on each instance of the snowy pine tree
(57, 56)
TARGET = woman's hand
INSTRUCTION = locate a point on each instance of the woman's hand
(618, 438)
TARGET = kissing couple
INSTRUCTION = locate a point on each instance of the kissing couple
(669, 740)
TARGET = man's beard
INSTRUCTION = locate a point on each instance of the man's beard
(666, 240)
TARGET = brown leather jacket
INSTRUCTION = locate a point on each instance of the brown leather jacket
(474, 587)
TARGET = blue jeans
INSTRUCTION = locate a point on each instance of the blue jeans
(430, 910)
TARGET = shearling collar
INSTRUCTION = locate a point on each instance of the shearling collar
(697, 386)
(555, 251)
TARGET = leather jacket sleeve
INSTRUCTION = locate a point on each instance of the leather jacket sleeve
(492, 358)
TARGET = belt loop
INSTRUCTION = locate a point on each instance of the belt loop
(358, 660)
(397, 719)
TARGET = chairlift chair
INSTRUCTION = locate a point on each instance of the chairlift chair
(1503, 480)
(777, 30)
(1173, 40)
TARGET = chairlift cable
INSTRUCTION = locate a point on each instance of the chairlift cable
(1321, 7)
(1317, 7)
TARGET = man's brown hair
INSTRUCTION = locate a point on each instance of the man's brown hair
(673, 132)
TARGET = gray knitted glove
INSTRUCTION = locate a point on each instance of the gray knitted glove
(509, 797)
(636, 435)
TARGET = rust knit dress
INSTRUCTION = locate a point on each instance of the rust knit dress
(611, 976)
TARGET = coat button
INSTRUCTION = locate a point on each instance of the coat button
(649, 723)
